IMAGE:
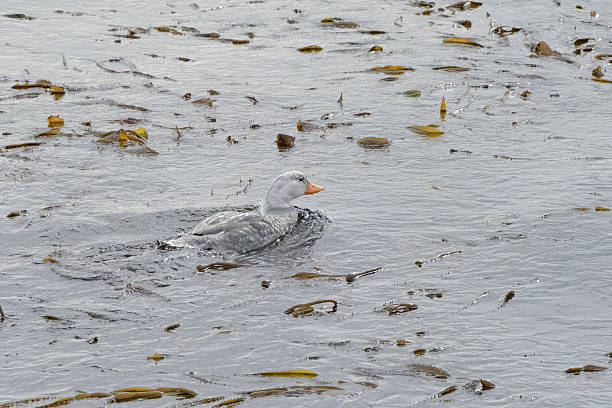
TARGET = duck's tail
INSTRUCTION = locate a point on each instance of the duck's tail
(165, 245)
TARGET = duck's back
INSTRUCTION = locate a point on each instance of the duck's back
(239, 232)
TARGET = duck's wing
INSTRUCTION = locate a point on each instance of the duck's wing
(208, 225)
(245, 231)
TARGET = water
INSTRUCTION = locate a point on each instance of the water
(508, 206)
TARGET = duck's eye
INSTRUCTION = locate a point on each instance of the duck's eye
(301, 179)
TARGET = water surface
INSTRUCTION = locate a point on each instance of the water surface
(502, 205)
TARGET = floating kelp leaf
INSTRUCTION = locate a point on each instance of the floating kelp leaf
(375, 48)
(172, 327)
(442, 109)
(581, 41)
(582, 209)
(57, 90)
(168, 30)
(123, 137)
(132, 107)
(460, 40)
(338, 22)
(133, 389)
(448, 390)
(212, 92)
(208, 35)
(305, 309)
(429, 131)
(51, 317)
(464, 5)
(351, 277)
(296, 390)
(486, 385)
(14, 214)
(429, 370)
(509, 296)
(28, 95)
(525, 94)
(57, 403)
(265, 392)
(451, 68)
(372, 142)
(253, 100)
(19, 16)
(132, 396)
(398, 308)
(334, 125)
(306, 127)
(360, 114)
(88, 395)
(420, 3)
(391, 68)
(402, 342)
(229, 402)
(240, 42)
(598, 208)
(284, 142)
(373, 32)
(39, 84)
(142, 132)
(26, 144)
(503, 31)
(48, 133)
(49, 259)
(128, 121)
(603, 56)
(155, 357)
(189, 29)
(23, 402)
(597, 72)
(219, 266)
(205, 101)
(465, 23)
(310, 48)
(412, 93)
(419, 352)
(178, 391)
(542, 49)
(587, 369)
(603, 81)
(55, 121)
(288, 373)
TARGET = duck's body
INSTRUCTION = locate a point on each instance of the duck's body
(243, 232)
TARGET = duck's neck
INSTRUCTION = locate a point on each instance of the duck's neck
(275, 202)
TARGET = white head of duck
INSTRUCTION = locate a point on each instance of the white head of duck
(286, 188)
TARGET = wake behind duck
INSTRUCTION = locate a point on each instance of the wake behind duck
(244, 232)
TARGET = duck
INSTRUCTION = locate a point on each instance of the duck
(249, 231)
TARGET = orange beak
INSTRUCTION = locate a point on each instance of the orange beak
(313, 188)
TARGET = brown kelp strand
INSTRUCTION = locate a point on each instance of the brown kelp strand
(305, 309)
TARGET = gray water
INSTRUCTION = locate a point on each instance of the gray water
(503, 206)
